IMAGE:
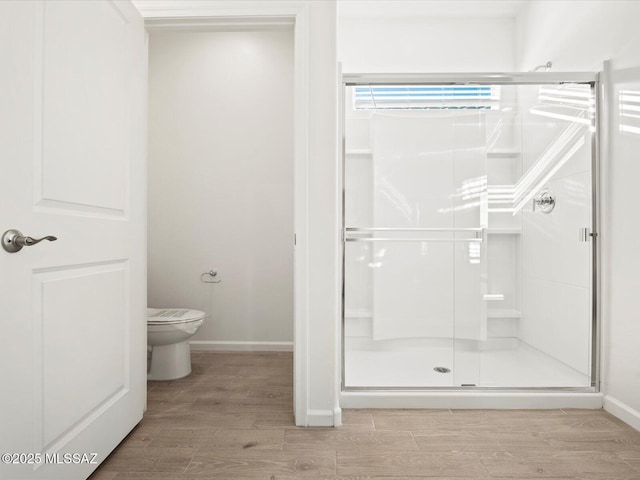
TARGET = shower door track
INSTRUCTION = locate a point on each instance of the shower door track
(453, 389)
(515, 78)
(481, 78)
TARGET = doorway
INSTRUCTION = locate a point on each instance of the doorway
(221, 183)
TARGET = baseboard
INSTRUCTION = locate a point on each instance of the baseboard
(322, 418)
(228, 346)
(337, 417)
(623, 411)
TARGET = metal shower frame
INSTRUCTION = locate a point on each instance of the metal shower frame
(500, 78)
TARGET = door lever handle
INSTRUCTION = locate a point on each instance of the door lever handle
(13, 240)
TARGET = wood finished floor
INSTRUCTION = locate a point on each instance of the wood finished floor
(231, 418)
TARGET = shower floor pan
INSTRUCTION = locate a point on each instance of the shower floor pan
(423, 363)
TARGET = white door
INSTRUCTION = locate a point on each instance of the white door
(72, 158)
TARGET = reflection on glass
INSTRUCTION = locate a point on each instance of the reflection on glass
(629, 107)
(570, 102)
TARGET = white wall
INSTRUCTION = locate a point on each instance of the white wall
(577, 35)
(323, 234)
(221, 181)
(580, 35)
(425, 44)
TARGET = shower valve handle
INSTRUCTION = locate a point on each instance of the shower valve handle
(545, 201)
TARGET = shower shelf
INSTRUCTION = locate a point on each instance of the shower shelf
(502, 153)
(358, 153)
(366, 153)
(504, 231)
(503, 313)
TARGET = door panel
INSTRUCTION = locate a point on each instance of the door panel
(91, 329)
(84, 104)
(428, 172)
(73, 87)
(415, 200)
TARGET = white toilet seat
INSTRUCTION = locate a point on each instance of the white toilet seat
(187, 327)
(173, 316)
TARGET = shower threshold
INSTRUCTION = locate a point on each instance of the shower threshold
(471, 399)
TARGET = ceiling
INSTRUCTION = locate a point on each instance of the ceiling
(430, 8)
(381, 9)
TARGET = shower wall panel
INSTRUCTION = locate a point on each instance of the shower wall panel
(416, 171)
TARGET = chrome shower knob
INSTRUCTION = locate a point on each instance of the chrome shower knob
(545, 201)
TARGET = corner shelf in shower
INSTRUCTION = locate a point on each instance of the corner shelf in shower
(366, 153)
(504, 231)
(359, 153)
(502, 153)
(503, 313)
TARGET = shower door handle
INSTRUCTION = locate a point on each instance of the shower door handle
(586, 234)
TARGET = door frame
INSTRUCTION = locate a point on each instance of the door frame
(225, 16)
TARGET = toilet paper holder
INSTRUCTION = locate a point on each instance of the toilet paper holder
(210, 275)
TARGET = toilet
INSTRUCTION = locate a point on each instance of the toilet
(168, 333)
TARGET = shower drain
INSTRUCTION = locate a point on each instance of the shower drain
(442, 370)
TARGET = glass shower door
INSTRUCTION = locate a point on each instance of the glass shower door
(540, 248)
(415, 217)
(469, 235)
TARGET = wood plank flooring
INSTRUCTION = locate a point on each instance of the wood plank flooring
(231, 419)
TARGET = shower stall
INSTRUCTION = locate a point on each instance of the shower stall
(470, 220)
